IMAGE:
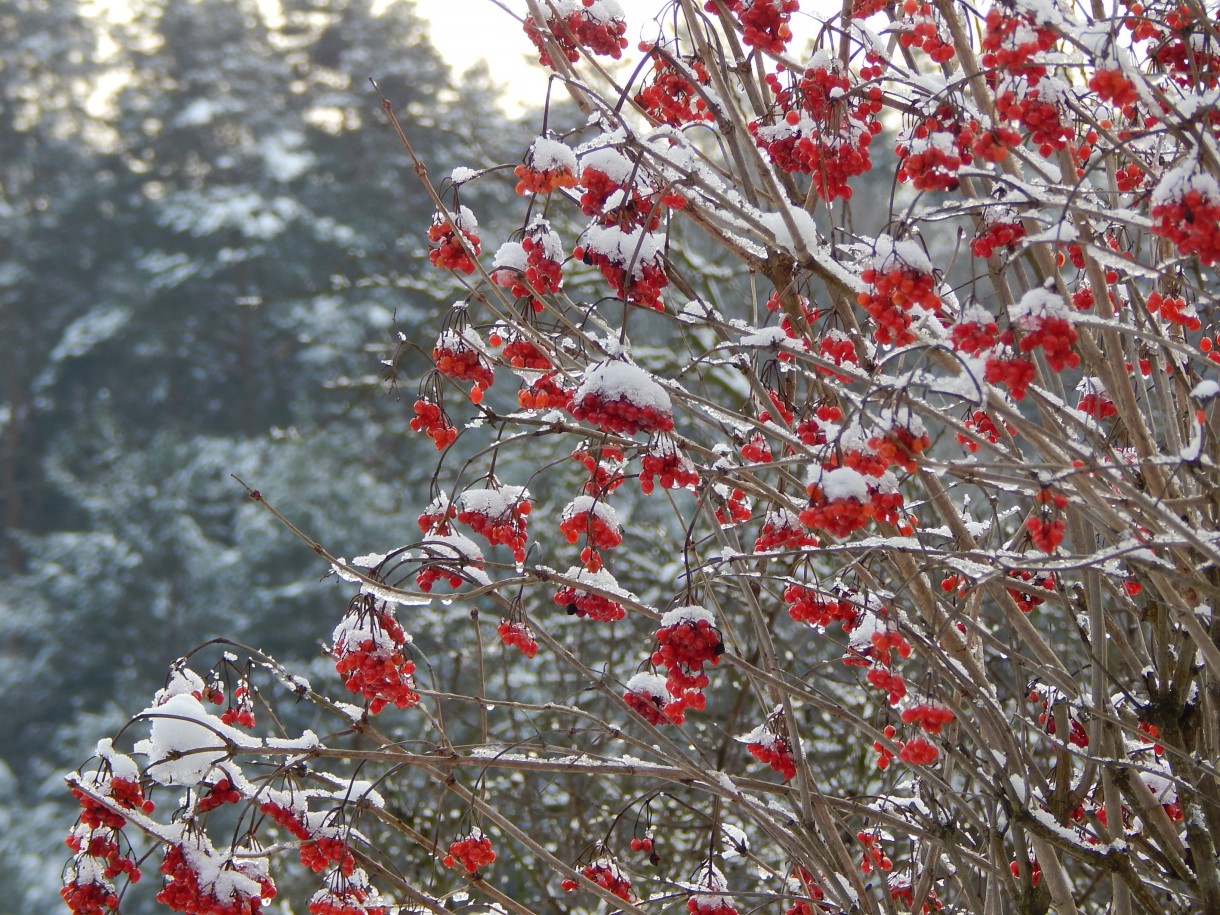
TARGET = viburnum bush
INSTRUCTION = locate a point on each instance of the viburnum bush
(885, 498)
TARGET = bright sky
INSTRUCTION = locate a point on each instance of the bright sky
(465, 31)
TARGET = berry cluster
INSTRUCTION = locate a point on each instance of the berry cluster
(460, 354)
(888, 682)
(620, 397)
(431, 418)
(710, 897)
(436, 515)
(648, 696)
(899, 445)
(1012, 41)
(932, 718)
(446, 556)
(1186, 49)
(605, 466)
(543, 258)
(521, 353)
(821, 128)
(843, 500)
(817, 608)
(1053, 333)
(925, 32)
(1077, 735)
(606, 874)
(545, 393)
(935, 149)
(1027, 601)
(635, 275)
(126, 792)
(1114, 87)
(320, 853)
(186, 891)
(756, 449)
(665, 462)
(837, 348)
(368, 653)
(734, 508)
(1045, 534)
(548, 165)
(586, 604)
(103, 848)
(85, 892)
(1174, 310)
(519, 636)
(219, 794)
(904, 895)
(287, 817)
(1188, 214)
(594, 520)
(1041, 116)
(897, 286)
(473, 851)
(996, 234)
(670, 98)
(975, 333)
(982, 425)
(1016, 372)
(498, 515)
(782, 530)
(885, 755)
(776, 753)
(875, 857)
(241, 710)
(915, 752)
(348, 895)
(645, 844)
(454, 250)
(764, 23)
(594, 25)
(686, 641)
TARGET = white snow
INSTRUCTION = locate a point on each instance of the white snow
(547, 155)
(615, 380)
(186, 741)
(689, 614)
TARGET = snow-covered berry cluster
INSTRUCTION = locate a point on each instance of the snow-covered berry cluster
(548, 165)
(934, 150)
(821, 126)
(900, 276)
(461, 354)
(368, 647)
(597, 26)
(666, 463)
(455, 244)
(1186, 210)
(201, 882)
(687, 640)
(771, 747)
(782, 530)
(580, 601)
(348, 894)
(620, 397)
(498, 514)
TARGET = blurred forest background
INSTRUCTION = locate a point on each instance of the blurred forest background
(207, 233)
